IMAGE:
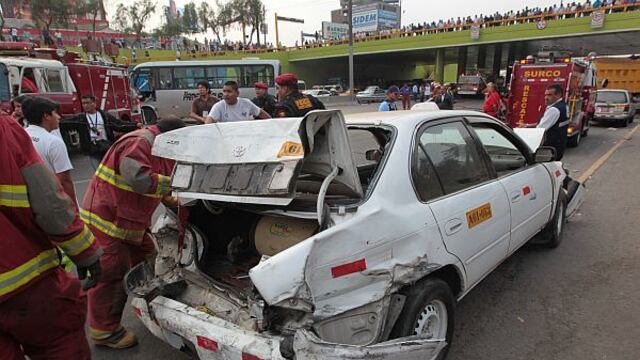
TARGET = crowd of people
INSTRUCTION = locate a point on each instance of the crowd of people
(440, 94)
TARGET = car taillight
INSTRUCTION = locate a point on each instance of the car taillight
(207, 343)
(626, 107)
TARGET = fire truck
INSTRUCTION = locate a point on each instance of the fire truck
(531, 77)
(65, 77)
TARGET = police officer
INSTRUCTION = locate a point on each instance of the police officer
(263, 99)
(555, 120)
(292, 102)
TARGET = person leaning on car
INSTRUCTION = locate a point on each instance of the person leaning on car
(555, 120)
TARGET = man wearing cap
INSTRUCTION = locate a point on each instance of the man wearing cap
(263, 99)
(292, 102)
(389, 104)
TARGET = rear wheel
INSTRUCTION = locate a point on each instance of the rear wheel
(624, 122)
(428, 312)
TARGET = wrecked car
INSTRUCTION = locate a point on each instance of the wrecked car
(320, 238)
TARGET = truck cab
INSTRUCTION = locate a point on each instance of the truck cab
(533, 75)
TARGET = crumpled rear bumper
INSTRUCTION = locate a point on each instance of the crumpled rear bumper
(213, 338)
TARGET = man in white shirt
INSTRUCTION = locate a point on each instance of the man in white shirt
(234, 108)
(555, 120)
(42, 115)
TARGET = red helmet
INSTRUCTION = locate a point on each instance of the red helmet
(287, 79)
(261, 85)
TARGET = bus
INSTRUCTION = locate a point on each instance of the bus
(169, 87)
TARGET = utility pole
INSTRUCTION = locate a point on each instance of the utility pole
(351, 82)
(277, 34)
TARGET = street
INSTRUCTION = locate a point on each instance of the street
(578, 301)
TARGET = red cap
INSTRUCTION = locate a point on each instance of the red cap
(287, 79)
(261, 85)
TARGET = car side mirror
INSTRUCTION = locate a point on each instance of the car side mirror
(545, 154)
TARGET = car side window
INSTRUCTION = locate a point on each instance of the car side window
(504, 155)
(453, 160)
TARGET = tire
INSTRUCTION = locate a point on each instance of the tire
(429, 307)
(574, 141)
(149, 116)
(624, 123)
(551, 236)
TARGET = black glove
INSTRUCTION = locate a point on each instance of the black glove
(89, 275)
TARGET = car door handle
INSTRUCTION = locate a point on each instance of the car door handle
(453, 226)
(515, 196)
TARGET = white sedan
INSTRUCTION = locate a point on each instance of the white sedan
(320, 238)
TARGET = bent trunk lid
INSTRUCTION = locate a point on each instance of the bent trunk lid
(260, 161)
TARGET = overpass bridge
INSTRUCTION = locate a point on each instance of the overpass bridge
(443, 56)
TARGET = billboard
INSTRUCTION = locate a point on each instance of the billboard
(334, 31)
(365, 20)
(388, 19)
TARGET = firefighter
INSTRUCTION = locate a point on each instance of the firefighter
(263, 99)
(124, 192)
(42, 309)
(292, 102)
(555, 120)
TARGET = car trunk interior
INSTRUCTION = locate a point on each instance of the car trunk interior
(236, 236)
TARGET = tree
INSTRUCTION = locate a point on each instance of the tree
(190, 18)
(133, 18)
(256, 17)
(48, 12)
(93, 8)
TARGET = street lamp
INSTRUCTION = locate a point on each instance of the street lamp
(350, 14)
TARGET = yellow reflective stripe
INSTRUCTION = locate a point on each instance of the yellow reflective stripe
(14, 196)
(164, 185)
(108, 227)
(12, 280)
(78, 243)
(109, 175)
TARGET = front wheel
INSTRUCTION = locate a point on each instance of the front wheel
(574, 141)
(552, 234)
(428, 312)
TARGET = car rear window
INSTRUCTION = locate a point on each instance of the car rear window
(469, 80)
(612, 97)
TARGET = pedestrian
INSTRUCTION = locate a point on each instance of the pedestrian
(17, 113)
(203, 103)
(234, 107)
(99, 129)
(263, 99)
(58, 36)
(555, 120)
(42, 115)
(291, 102)
(405, 91)
(389, 104)
(14, 34)
(416, 91)
(427, 92)
(493, 103)
(128, 186)
(42, 308)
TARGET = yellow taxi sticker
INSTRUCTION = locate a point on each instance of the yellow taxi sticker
(291, 148)
(303, 103)
(479, 215)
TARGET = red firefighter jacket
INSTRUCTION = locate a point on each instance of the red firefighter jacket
(36, 215)
(127, 187)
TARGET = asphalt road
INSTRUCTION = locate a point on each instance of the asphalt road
(578, 301)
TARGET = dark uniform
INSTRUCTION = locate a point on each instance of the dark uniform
(297, 104)
(267, 102)
(556, 135)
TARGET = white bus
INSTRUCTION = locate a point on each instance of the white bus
(169, 87)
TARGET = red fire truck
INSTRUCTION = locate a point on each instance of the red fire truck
(531, 77)
(64, 77)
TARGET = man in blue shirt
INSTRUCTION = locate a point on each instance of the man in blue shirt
(389, 104)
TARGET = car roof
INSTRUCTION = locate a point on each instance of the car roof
(612, 90)
(31, 62)
(406, 118)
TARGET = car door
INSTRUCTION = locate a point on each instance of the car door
(468, 203)
(527, 184)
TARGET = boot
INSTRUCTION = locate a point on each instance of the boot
(121, 339)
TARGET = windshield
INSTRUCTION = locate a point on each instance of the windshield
(468, 80)
(5, 93)
(618, 97)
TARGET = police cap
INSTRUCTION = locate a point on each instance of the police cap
(287, 79)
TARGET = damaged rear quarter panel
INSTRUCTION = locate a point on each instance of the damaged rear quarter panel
(395, 235)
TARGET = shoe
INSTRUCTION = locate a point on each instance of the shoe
(120, 340)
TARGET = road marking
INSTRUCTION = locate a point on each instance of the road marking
(596, 165)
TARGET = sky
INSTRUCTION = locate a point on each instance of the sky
(315, 11)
